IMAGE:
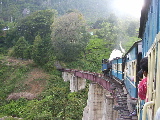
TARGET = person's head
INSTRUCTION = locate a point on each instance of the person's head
(140, 74)
(144, 65)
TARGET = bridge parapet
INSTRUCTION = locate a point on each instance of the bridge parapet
(94, 77)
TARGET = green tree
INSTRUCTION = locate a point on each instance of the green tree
(2, 35)
(12, 10)
(37, 50)
(69, 36)
(95, 51)
(109, 33)
(37, 23)
(132, 28)
(41, 51)
(11, 37)
(20, 48)
(1, 27)
(113, 30)
(28, 52)
(98, 24)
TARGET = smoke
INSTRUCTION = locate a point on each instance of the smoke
(115, 53)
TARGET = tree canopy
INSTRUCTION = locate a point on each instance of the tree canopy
(20, 48)
(69, 36)
(35, 24)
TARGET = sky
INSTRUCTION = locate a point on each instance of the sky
(129, 7)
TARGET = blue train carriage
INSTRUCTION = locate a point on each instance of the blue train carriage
(106, 67)
(117, 71)
(131, 60)
(150, 33)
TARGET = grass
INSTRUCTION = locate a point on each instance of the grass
(2, 115)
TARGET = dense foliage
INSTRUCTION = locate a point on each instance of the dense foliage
(37, 23)
(21, 48)
(13, 10)
(55, 102)
(69, 36)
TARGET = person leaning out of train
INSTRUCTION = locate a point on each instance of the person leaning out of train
(142, 87)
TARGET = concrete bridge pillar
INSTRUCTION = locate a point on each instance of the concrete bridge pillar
(66, 76)
(76, 83)
(81, 83)
(73, 84)
(108, 112)
(93, 110)
(99, 104)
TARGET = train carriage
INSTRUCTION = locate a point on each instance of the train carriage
(120, 69)
(150, 34)
(117, 71)
(132, 59)
(114, 67)
(106, 67)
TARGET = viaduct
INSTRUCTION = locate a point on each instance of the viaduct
(103, 99)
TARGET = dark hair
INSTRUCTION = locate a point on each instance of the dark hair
(144, 64)
(140, 74)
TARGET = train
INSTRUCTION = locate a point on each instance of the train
(124, 69)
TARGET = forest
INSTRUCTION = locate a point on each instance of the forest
(35, 35)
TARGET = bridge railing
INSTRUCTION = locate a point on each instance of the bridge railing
(92, 76)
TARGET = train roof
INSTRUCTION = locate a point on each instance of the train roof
(133, 46)
(144, 17)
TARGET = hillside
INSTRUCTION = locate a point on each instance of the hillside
(13, 10)
(35, 80)
(29, 92)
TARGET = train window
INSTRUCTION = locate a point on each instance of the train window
(133, 69)
(118, 67)
(127, 69)
(152, 73)
(130, 69)
(115, 66)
